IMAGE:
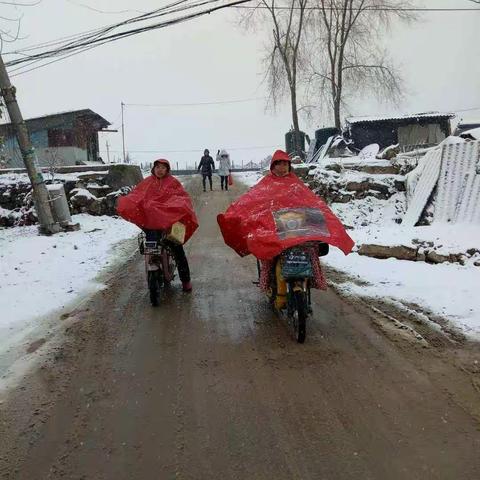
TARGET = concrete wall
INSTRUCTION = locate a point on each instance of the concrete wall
(64, 156)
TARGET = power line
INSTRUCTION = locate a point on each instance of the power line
(99, 38)
(84, 41)
(161, 105)
(195, 150)
(91, 34)
(363, 9)
(467, 110)
(93, 9)
(16, 4)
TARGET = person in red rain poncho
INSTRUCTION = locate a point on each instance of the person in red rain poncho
(155, 205)
(279, 212)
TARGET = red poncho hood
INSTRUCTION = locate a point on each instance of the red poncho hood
(156, 204)
(278, 213)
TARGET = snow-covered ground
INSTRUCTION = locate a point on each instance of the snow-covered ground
(40, 275)
(15, 178)
(448, 290)
(248, 178)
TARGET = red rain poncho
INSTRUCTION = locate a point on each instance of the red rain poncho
(278, 213)
(156, 204)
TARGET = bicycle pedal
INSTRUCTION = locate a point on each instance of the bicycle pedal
(152, 267)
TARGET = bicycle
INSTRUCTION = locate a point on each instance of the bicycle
(160, 264)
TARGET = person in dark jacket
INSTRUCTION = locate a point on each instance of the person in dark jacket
(207, 167)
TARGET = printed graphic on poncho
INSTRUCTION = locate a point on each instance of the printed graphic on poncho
(300, 222)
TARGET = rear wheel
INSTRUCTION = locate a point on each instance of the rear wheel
(300, 315)
(154, 287)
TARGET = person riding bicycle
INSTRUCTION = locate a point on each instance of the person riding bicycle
(280, 212)
(207, 167)
(157, 203)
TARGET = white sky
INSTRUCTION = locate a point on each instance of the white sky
(211, 59)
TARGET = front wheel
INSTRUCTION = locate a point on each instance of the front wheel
(300, 315)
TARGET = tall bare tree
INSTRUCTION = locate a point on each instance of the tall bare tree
(283, 50)
(347, 54)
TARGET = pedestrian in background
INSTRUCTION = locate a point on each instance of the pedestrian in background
(206, 167)
(224, 168)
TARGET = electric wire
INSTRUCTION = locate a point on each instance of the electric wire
(362, 9)
(194, 150)
(93, 9)
(166, 105)
(82, 39)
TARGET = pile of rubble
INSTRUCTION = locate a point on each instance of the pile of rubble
(407, 207)
(92, 192)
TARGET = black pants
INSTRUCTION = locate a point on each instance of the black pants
(178, 253)
(224, 180)
(204, 178)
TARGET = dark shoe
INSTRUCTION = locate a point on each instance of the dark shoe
(187, 286)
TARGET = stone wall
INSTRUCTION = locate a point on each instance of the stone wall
(95, 193)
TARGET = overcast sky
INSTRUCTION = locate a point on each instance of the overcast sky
(211, 59)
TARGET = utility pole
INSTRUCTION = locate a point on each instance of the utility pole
(123, 133)
(108, 151)
(47, 224)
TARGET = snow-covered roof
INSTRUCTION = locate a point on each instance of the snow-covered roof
(414, 116)
(474, 132)
(59, 118)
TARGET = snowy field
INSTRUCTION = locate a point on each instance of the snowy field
(40, 275)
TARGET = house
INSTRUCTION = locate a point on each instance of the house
(408, 131)
(61, 139)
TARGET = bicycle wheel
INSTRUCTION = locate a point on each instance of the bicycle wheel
(300, 315)
(168, 267)
(154, 287)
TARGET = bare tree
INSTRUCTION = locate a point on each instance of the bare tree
(283, 51)
(53, 160)
(347, 54)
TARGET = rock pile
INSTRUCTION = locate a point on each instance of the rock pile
(95, 193)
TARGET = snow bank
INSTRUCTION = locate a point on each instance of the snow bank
(371, 212)
(248, 178)
(14, 178)
(40, 274)
(446, 238)
(450, 291)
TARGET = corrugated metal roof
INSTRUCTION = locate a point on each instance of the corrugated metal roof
(424, 187)
(414, 116)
